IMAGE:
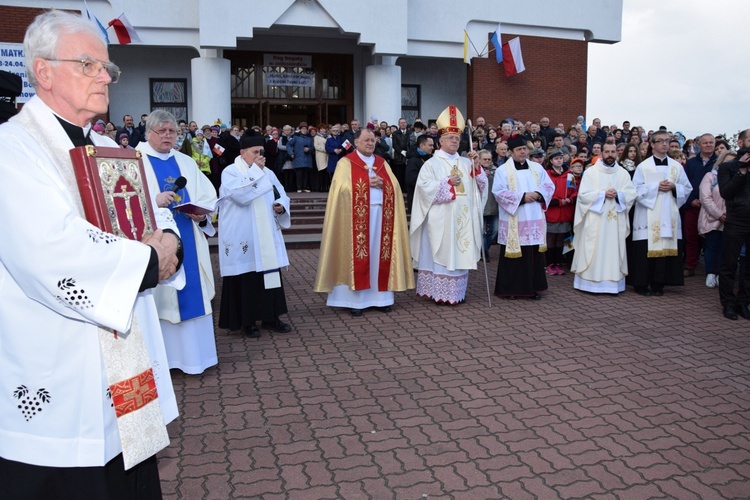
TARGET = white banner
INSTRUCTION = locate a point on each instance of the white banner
(287, 60)
(12, 60)
(289, 79)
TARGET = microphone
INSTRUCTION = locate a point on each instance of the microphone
(179, 183)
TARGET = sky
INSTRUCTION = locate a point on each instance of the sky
(677, 65)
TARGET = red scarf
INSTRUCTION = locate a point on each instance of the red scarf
(361, 223)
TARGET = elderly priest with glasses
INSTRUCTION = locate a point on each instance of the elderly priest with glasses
(85, 392)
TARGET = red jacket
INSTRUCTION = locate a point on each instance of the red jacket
(555, 211)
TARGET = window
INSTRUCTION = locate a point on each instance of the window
(410, 102)
(169, 95)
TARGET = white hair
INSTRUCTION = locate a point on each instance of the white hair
(160, 117)
(43, 35)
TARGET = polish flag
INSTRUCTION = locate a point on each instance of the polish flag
(124, 30)
(512, 58)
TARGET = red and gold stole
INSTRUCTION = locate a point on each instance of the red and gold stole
(361, 223)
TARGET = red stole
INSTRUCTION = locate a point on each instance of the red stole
(361, 223)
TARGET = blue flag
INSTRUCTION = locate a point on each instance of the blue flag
(496, 42)
(96, 21)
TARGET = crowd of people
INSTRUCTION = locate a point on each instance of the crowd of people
(90, 323)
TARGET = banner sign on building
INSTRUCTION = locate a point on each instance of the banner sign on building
(287, 60)
(289, 79)
(12, 60)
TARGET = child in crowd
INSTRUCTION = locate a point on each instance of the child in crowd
(560, 212)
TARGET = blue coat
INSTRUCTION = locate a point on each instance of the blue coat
(333, 143)
(695, 171)
(297, 146)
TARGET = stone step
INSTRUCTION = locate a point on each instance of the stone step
(308, 211)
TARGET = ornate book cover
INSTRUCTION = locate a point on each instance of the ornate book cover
(113, 189)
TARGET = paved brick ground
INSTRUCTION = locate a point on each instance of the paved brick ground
(574, 396)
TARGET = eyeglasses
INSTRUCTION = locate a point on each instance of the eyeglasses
(660, 141)
(92, 67)
(165, 132)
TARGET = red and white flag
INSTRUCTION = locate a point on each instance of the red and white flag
(512, 58)
(124, 30)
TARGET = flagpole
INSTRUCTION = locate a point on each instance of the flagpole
(475, 48)
(485, 46)
(476, 192)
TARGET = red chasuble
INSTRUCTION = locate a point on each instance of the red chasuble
(361, 223)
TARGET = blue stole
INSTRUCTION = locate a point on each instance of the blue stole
(190, 298)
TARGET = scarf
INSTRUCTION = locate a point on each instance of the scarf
(129, 374)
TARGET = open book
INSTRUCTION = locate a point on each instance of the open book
(195, 209)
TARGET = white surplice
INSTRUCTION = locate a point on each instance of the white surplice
(532, 223)
(190, 344)
(242, 231)
(446, 226)
(601, 225)
(665, 204)
(61, 279)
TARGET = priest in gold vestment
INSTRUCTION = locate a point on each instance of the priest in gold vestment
(364, 251)
(447, 216)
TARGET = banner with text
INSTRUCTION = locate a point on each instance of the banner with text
(289, 79)
(12, 60)
(287, 60)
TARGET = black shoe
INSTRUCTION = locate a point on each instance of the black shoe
(729, 312)
(357, 313)
(643, 291)
(536, 296)
(658, 293)
(743, 310)
(277, 326)
(385, 309)
(251, 331)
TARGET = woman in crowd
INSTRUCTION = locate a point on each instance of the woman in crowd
(300, 148)
(491, 136)
(320, 174)
(284, 160)
(644, 149)
(635, 136)
(111, 131)
(721, 146)
(271, 147)
(711, 219)
(630, 158)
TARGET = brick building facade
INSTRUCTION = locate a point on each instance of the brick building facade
(553, 85)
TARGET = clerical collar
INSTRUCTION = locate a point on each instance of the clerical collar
(369, 160)
(521, 166)
(661, 161)
(79, 136)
